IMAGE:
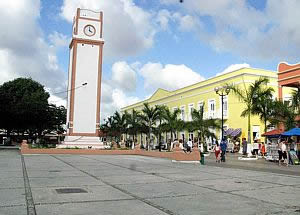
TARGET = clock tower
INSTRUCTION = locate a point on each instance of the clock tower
(84, 80)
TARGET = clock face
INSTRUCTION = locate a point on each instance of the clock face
(89, 30)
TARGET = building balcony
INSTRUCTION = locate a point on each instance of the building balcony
(216, 115)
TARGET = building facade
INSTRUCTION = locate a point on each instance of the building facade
(203, 94)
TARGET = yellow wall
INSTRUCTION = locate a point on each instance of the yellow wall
(203, 91)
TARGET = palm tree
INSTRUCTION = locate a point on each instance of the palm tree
(120, 123)
(108, 127)
(263, 106)
(160, 127)
(296, 100)
(248, 96)
(133, 122)
(150, 116)
(283, 113)
(202, 126)
(172, 122)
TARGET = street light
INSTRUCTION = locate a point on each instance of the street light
(222, 91)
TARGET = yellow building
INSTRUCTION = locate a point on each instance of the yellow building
(203, 93)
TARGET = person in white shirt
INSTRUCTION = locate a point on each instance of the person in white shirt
(190, 145)
(255, 148)
(284, 153)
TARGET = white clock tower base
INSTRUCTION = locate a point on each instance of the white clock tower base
(84, 81)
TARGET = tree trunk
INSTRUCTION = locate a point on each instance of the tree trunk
(249, 128)
(265, 130)
(149, 134)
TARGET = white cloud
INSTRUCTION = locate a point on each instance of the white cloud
(169, 77)
(113, 99)
(163, 18)
(57, 100)
(186, 22)
(233, 67)
(123, 76)
(23, 50)
(128, 29)
(59, 40)
(271, 33)
(121, 100)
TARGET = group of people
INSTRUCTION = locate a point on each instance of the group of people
(220, 150)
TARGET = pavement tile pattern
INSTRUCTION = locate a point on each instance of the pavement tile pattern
(130, 185)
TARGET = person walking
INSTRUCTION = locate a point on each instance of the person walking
(217, 151)
(223, 149)
(190, 145)
(284, 154)
(244, 144)
(255, 148)
(263, 149)
(280, 152)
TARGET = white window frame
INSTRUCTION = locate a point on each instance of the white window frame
(225, 115)
(200, 104)
(191, 106)
(211, 114)
(255, 130)
(287, 99)
(182, 107)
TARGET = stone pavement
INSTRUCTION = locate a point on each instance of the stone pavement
(261, 164)
(130, 185)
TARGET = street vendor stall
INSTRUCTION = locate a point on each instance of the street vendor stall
(272, 141)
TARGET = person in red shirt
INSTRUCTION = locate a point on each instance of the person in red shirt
(263, 149)
(217, 151)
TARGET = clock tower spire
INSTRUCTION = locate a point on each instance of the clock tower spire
(84, 80)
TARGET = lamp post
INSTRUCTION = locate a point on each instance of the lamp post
(222, 91)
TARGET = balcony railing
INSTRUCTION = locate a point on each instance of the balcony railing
(215, 114)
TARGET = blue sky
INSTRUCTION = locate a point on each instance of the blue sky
(144, 39)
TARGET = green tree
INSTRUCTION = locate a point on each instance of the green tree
(149, 117)
(172, 122)
(120, 123)
(108, 127)
(296, 100)
(285, 114)
(202, 126)
(247, 95)
(263, 105)
(133, 122)
(55, 120)
(23, 105)
(160, 127)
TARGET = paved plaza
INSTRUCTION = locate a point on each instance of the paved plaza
(130, 185)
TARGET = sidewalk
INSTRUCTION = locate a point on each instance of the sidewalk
(258, 165)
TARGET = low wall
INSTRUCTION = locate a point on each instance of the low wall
(177, 154)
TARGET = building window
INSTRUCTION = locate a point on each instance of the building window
(200, 105)
(287, 101)
(182, 114)
(191, 108)
(255, 132)
(211, 108)
(225, 106)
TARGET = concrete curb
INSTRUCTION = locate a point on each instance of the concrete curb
(177, 155)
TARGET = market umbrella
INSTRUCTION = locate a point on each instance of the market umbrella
(292, 132)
